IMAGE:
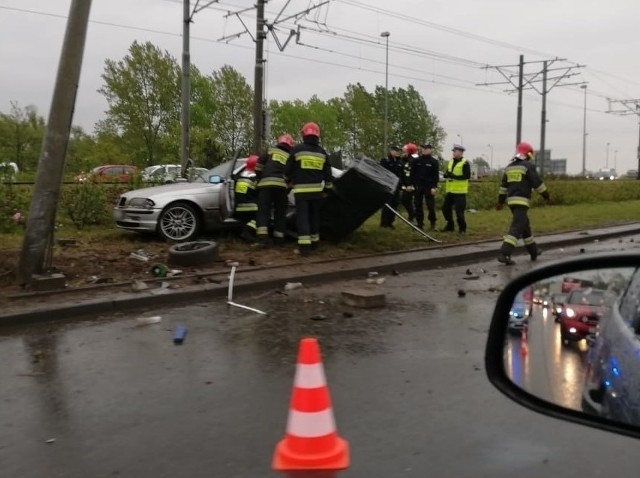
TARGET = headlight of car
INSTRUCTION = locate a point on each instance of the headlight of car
(570, 312)
(143, 203)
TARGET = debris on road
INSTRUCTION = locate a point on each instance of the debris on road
(179, 334)
(139, 285)
(154, 319)
(50, 441)
(231, 263)
(159, 270)
(364, 299)
(319, 317)
(373, 274)
(98, 280)
(140, 255)
(292, 285)
(461, 293)
(230, 294)
(395, 272)
(346, 314)
(379, 281)
(67, 242)
(471, 277)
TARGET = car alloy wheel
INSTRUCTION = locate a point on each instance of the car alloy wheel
(178, 222)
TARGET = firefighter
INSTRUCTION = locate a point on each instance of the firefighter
(272, 191)
(518, 179)
(394, 164)
(309, 173)
(246, 198)
(423, 176)
(457, 174)
(409, 154)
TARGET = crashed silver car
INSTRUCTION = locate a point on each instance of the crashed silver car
(180, 211)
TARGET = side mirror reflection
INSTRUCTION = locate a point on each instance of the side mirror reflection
(215, 179)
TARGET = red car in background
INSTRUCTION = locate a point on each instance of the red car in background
(109, 173)
(582, 311)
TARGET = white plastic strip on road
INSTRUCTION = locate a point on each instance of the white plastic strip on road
(231, 279)
(311, 425)
(247, 308)
(309, 376)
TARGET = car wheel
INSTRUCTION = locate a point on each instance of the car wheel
(193, 253)
(178, 222)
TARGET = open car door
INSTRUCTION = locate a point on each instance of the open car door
(227, 192)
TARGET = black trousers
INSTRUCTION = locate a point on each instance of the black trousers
(520, 228)
(457, 202)
(406, 198)
(424, 195)
(386, 216)
(308, 220)
(272, 199)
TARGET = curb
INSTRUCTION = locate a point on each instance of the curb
(265, 279)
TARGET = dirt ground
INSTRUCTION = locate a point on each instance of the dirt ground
(85, 264)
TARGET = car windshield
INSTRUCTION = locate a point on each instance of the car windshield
(592, 297)
(559, 298)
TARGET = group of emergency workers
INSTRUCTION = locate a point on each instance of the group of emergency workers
(261, 191)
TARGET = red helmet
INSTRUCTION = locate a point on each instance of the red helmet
(311, 129)
(250, 165)
(286, 139)
(525, 150)
(410, 149)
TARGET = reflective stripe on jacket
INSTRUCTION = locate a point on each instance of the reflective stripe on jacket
(308, 168)
(518, 180)
(245, 194)
(270, 168)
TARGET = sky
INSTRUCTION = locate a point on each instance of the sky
(447, 50)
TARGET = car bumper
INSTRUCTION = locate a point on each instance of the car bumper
(139, 220)
(577, 330)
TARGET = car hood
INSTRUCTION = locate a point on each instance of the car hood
(170, 190)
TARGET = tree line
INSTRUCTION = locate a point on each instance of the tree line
(142, 121)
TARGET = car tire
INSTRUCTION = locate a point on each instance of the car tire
(193, 253)
(179, 222)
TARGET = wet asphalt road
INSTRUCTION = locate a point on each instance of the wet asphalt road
(407, 383)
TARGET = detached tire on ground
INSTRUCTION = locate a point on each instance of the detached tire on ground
(193, 253)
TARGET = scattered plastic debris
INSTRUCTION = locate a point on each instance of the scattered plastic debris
(230, 294)
(98, 280)
(139, 285)
(231, 263)
(51, 441)
(468, 272)
(395, 272)
(140, 255)
(373, 274)
(319, 317)
(159, 270)
(379, 281)
(292, 285)
(154, 319)
(179, 334)
(174, 272)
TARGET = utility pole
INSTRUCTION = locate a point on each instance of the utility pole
(519, 115)
(584, 133)
(185, 116)
(528, 81)
(38, 237)
(258, 82)
(630, 107)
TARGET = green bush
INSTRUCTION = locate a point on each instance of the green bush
(14, 204)
(85, 204)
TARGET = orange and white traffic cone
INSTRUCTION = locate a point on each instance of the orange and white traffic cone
(524, 347)
(311, 441)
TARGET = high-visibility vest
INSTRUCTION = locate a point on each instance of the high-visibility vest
(456, 186)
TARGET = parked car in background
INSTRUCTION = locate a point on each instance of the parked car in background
(520, 311)
(582, 312)
(161, 173)
(606, 174)
(109, 173)
(632, 174)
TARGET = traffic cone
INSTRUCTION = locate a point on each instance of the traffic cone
(311, 440)
(524, 348)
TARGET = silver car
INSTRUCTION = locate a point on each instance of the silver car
(179, 211)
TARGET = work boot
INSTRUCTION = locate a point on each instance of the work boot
(505, 259)
(448, 228)
(247, 235)
(534, 252)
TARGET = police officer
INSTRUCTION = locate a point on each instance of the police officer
(457, 174)
(423, 176)
(246, 198)
(394, 164)
(309, 173)
(409, 154)
(518, 179)
(272, 190)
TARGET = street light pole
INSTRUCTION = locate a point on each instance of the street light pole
(386, 35)
(491, 157)
(607, 166)
(615, 160)
(584, 133)
(461, 140)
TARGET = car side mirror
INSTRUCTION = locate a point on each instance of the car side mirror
(216, 179)
(584, 365)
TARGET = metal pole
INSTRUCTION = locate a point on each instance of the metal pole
(491, 157)
(520, 88)
(258, 135)
(186, 88)
(638, 113)
(386, 94)
(543, 119)
(607, 165)
(461, 139)
(584, 133)
(42, 212)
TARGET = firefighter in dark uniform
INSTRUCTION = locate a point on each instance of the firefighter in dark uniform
(423, 176)
(395, 165)
(409, 154)
(457, 174)
(309, 172)
(518, 180)
(246, 198)
(272, 190)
